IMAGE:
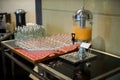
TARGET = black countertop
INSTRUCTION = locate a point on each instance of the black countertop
(103, 67)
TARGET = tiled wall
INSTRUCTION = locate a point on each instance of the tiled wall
(57, 17)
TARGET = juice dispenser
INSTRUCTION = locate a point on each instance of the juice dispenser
(82, 28)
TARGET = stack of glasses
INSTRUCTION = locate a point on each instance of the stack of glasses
(28, 32)
(34, 38)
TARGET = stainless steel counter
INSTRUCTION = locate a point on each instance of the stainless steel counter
(4, 36)
(102, 67)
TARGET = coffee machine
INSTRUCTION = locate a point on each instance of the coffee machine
(20, 17)
(5, 19)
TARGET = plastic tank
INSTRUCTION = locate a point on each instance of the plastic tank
(82, 22)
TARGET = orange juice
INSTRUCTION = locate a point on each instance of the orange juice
(82, 33)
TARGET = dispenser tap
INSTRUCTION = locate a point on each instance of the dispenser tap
(73, 37)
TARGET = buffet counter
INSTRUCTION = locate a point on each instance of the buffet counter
(53, 65)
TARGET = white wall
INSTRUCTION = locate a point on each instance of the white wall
(11, 6)
(57, 17)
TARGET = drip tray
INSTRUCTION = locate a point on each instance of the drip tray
(73, 57)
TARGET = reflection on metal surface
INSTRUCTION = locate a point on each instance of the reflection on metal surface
(53, 72)
(106, 53)
(4, 36)
(73, 57)
(109, 74)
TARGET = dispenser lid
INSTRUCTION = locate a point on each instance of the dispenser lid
(82, 13)
(20, 11)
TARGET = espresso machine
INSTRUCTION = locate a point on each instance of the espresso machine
(5, 18)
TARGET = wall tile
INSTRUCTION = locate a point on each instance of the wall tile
(57, 16)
